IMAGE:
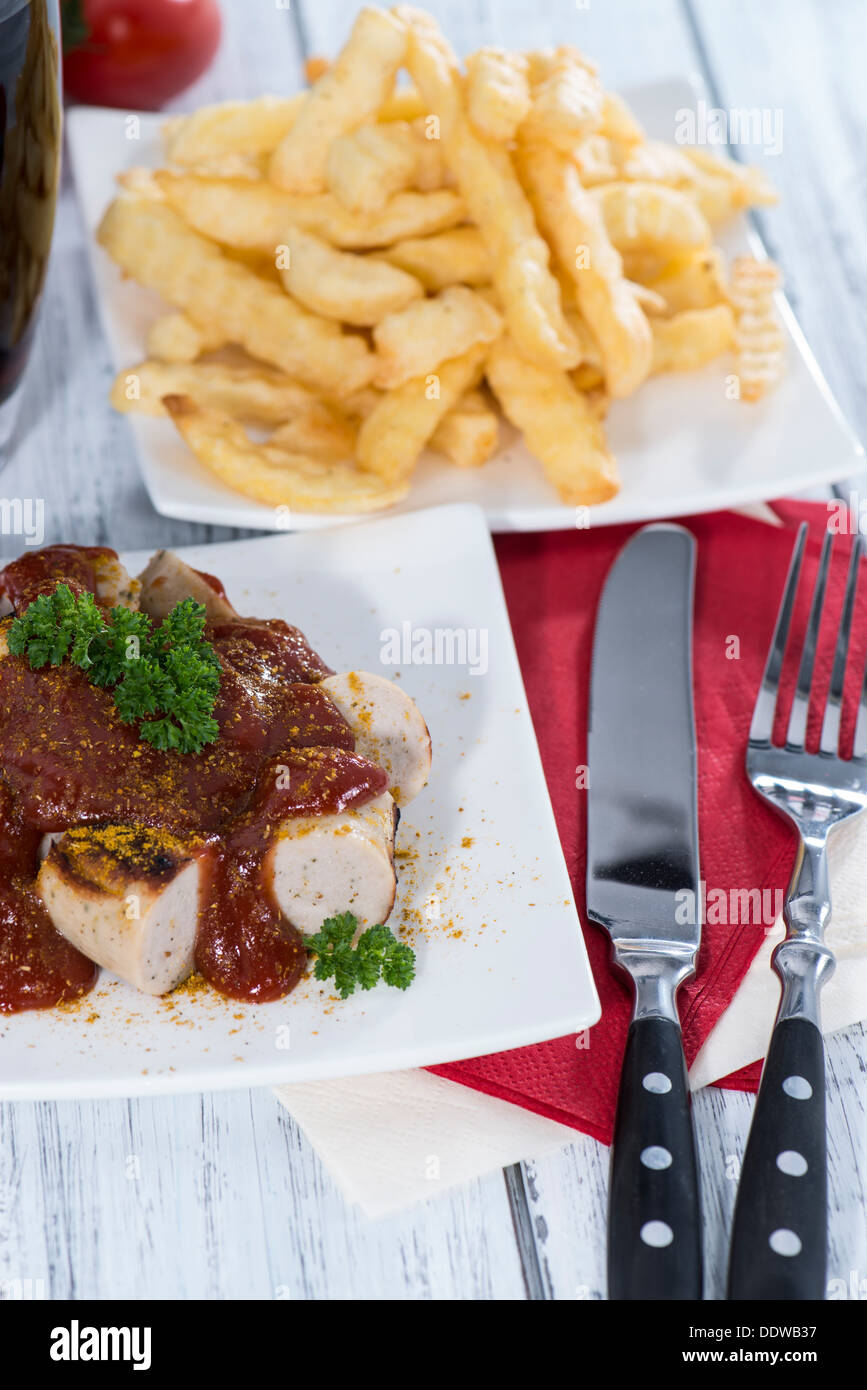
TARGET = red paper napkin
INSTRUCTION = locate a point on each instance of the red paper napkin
(552, 584)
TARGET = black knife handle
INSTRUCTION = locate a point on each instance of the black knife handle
(654, 1215)
(782, 1201)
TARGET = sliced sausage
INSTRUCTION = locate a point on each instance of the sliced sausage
(388, 728)
(167, 580)
(324, 865)
(128, 898)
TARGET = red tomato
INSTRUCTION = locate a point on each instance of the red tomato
(140, 53)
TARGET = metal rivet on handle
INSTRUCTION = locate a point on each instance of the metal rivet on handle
(657, 1234)
(798, 1087)
(784, 1242)
(656, 1157)
(657, 1083)
(792, 1163)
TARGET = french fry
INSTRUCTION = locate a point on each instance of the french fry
(175, 338)
(594, 159)
(573, 222)
(469, 434)
(694, 281)
(758, 337)
(486, 178)
(560, 426)
(567, 100)
(617, 121)
(692, 338)
(368, 166)
(273, 475)
(458, 257)
(723, 186)
(396, 431)
(404, 104)
(254, 216)
(498, 92)
(651, 217)
(431, 172)
(650, 301)
(347, 95)
(151, 243)
(251, 392)
(412, 344)
(342, 286)
(231, 128)
(654, 161)
(318, 434)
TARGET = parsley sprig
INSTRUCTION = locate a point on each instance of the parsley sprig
(167, 676)
(377, 954)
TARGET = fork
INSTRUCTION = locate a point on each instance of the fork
(779, 1238)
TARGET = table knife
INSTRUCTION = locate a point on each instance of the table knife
(643, 887)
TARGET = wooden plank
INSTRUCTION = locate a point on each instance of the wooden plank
(220, 1196)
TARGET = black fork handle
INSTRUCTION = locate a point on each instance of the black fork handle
(780, 1234)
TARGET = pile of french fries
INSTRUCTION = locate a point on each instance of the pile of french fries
(370, 269)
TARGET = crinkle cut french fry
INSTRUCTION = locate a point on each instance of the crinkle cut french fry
(273, 475)
(414, 342)
(567, 98)
(151, 242)
(747, 186)
(498, 92)
(319, 434)
(175, 338)
(249, 392)
(694, 281)
(231, 127)
(404, 104)
(469, 434)
(254, 216)
(486, 178)
(573, 222)
(347, 95)
(457, 257)
(758, 336)
(651, 217)
(692, 338)
(343, 286)
(560, 425)
(371, 164)
(617, 121)
(396, 431)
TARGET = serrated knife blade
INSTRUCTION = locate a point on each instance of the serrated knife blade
(643, 887)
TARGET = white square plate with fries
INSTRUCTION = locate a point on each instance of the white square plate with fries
(483, 892)
(543, 309)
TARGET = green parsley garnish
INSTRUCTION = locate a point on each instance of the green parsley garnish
(377, 954)
(165, 676)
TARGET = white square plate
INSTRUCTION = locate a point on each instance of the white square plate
(500, 955)
(682, 447)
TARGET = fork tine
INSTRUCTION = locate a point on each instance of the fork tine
(830, 740)
(766, 700)
(801, 703)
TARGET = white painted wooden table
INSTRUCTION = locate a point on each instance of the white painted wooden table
(219, 1196)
